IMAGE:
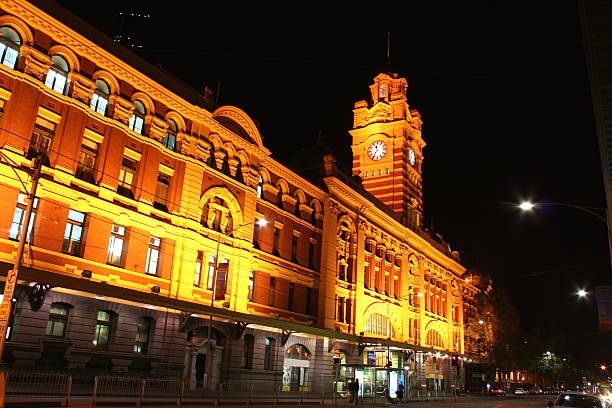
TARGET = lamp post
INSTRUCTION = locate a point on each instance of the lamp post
(220, 236)
(602, 215)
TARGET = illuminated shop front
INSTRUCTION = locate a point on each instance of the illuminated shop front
(296, 368)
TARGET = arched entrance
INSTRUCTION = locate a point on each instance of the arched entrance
(296, 367)
(196, 356)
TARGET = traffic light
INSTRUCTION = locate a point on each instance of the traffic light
(454, 360)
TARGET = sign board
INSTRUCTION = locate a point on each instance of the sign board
(9, 288)
(603, 295)
(221, 285)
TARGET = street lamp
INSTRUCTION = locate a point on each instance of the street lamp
(599, 213)
(582, 293)
(261, 222)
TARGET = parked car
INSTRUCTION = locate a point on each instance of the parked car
(577, 399)
(519, 391)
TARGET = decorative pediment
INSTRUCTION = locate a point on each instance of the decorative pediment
(381, 112)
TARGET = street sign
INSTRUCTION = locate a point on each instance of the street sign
(9, 288)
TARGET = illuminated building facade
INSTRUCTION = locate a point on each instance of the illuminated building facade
(144, 182)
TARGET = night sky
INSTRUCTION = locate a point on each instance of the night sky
(503, 92)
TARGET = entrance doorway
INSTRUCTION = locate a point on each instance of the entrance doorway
(200, 369)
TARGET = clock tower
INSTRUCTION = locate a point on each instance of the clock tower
(388, 147)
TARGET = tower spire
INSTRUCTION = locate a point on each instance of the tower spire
(387, 66)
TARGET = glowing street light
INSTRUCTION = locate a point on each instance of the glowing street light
(582, 293)
(600, 213)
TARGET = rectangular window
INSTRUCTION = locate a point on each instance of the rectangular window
(103, 330)
(256, 234)
(58, 317)
(294, 247)
(247, 351)
(269, 354)
(272, 291)
(142, 335)
(211, 272)
(222, 273)
(348, 314)
(275, 241)
(161, 192)
(18, 218)
(127, 174)
(251, 285)
(153, 256)
(290, 296)
(87, 160)
(340, 308)
(42, 138)
(115, 245)
(198, 270)
(311, 254)
(73, 233)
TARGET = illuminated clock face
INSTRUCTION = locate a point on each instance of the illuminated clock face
(411, 156)
(377, 150)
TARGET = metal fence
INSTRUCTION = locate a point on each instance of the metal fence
(41, 386)
(27, 386)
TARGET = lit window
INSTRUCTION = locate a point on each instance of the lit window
(127, 174)
(137, 120)
(9, 46)
(103, 330)
(260, 187)
(383, 91)
(256, 234)
(58, 317)
(198, 271)
(251, 285)
(18, 218)
(170, 138)
(87, 160)
(387, 170)
(211, 272)
(99, 100)
(73, 233)
(269, 354)
(115, 245)
(142, 335)
(161, 192)
(42, 138)
(58, 74)
(153, 256)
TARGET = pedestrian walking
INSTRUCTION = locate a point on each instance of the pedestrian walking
(356, 391)
(351, 389)
(400, 391)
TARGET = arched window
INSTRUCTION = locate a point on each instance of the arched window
(383, 91)
(99, 100)
(170, 138)
(434, 339)
(58, 74)
(380, 325)
(9, 46)
(298, 352)
(216, 215)
(136, 122)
